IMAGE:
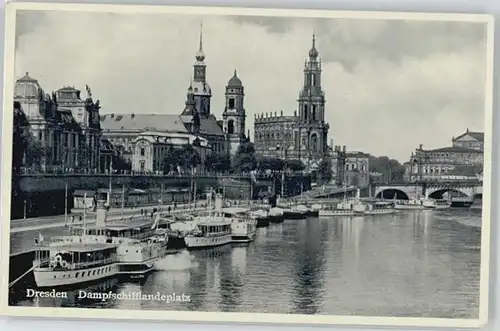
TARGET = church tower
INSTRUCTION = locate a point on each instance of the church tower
(234, 113)
(201, 89)
(311, 135)
(191, 111)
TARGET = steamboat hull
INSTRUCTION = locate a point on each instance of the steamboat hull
(197, 243)
(46, 278)
(312, 213)
(262, 222)
(380, 212)
(329, 213)
(276, 218)
(243, 238)
(292, 215)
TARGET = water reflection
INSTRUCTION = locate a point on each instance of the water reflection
(413, 263)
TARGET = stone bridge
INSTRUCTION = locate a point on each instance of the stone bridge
(466, 190)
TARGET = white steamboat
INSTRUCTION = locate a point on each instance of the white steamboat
(243, 226)
(210, 231)
(343, 208)
(57, 265)
(379, 208)
(430, 203)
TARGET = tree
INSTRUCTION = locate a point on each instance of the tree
(390, 169)
(269, 163)
(185, 157)
(190, 158)
(218, 163)
(244, 160)
(325, 171)
(294, 165)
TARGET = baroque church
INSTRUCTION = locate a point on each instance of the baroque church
(196, 120)
(303, 136)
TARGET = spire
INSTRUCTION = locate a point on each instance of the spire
(200, 56)
(313, 53)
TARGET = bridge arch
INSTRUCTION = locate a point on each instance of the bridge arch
(391, 193)
(439, 194)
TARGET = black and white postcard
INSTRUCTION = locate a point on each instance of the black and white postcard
(246, 165)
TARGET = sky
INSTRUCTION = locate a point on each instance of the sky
(390, 85)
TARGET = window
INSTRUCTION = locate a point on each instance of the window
(313, 80)
(231, 103)
(143, 151)
(230, 127)
(305, 112)
(314, 113)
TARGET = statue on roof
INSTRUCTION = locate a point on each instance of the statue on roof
(89, 91)
(54, 97)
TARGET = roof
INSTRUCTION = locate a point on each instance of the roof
(81, 193)
(142, 122)
(476, 135)
(210, 126)
(454, 149)
(464, 170)
(234, 81)
(83, 247)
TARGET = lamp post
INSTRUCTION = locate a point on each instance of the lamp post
(284, 150)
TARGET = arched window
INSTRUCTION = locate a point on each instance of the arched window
(313, 117)
(313, 80)
(305, 112)
(314, 143)
(230, 127)
(143, 151)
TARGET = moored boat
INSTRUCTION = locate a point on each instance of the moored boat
(261, 216)
(295, 212)
(341, 209)
(276, 215)
(57, 265)
(412, 204)
(211, 230)
(430, 203)
(380, 208)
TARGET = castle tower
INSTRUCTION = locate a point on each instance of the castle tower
(234, 113)
(201, 89)
(312, 132)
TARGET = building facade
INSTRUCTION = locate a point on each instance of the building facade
(304, 135)
(357, 169)
(150, 149)
(64, 125)
(470, 140)
(452, 162)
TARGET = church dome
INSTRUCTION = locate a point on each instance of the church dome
(313, 53)
(27, 87)
(234, 81)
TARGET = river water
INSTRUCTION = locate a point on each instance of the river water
(410, 264)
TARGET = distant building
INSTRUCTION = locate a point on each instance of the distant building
(223, 135)
(122, 130)
(304, 135)
(469, 139)
(464, 159)
(66, 127)
(357, 169)
(150, 149)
